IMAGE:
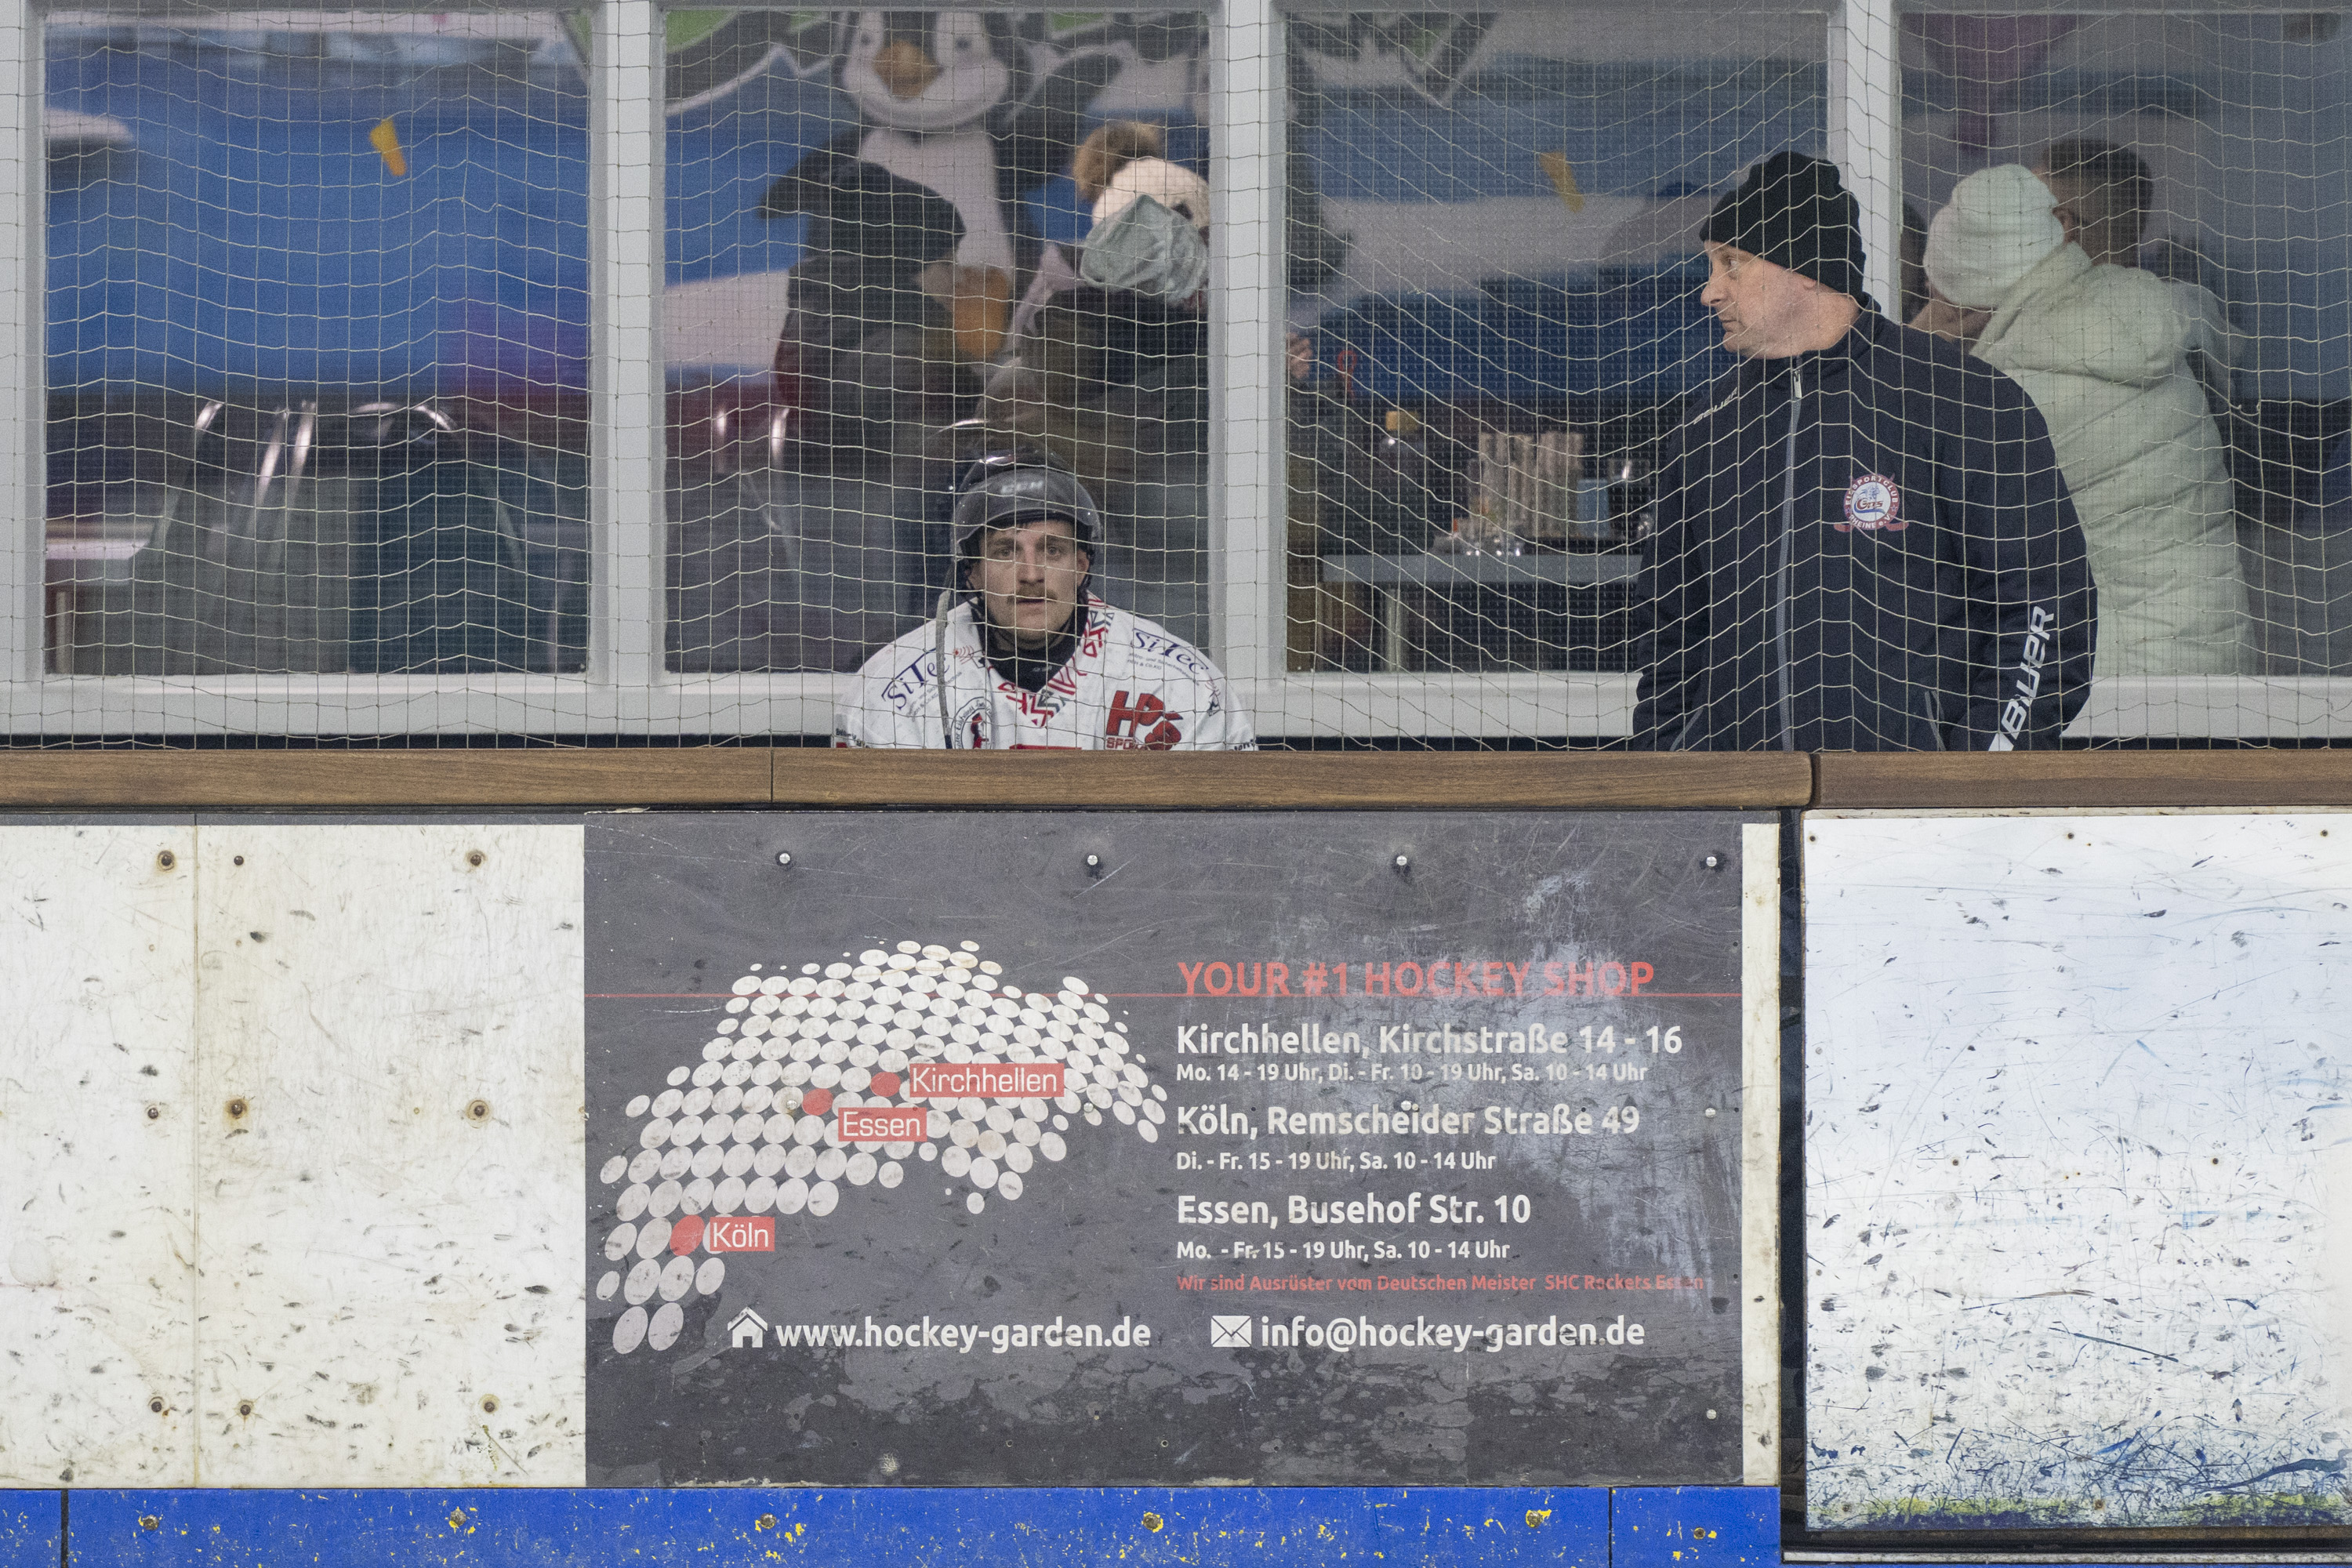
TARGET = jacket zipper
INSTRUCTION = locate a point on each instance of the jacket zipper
(1785, 572)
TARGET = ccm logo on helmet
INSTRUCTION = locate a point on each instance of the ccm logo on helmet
(1144, 723)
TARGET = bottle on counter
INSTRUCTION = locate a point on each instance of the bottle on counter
(1409, 489)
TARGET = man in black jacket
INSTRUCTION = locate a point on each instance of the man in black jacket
(1862, 542)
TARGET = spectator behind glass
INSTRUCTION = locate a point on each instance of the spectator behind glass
(2104, 196)
(2104, 353)
(1914, 280)
(1112, 379)
(2103, 193)
(1102, 154)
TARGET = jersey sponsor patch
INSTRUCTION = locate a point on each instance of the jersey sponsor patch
(907, 686)
(1175, 650)
(1872, 501)
(1141, 722)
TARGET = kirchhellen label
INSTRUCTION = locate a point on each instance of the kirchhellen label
(985, 1080)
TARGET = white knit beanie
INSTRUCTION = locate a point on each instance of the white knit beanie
(1996, 228)
(1172, 185)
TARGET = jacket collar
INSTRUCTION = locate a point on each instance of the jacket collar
(2062, 268)
(1824, 367)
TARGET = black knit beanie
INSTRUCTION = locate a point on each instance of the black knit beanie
(1793, 211)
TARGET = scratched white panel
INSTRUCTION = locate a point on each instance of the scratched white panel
(97, 1276)
(2076, 1126)
(392, 1284)
(1759, 1152)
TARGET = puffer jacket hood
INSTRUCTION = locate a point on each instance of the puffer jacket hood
(2121, 325)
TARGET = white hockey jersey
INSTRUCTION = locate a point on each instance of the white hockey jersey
(1129, 687)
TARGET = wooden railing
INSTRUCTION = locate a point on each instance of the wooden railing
(798, 776)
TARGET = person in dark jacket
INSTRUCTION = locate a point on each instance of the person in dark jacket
(1862, 541)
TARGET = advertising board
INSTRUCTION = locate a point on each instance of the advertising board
(988, 1149)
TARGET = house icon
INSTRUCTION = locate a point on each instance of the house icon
(748, 1329)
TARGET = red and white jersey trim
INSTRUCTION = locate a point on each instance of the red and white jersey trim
(1131, 686)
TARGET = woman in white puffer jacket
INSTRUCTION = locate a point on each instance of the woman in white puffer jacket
(2106, 352)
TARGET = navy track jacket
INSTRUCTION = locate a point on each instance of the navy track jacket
(1868, 547)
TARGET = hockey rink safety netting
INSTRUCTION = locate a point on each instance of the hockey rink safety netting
(1716, 377)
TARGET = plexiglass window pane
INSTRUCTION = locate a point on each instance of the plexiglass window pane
(2197, 165)
(878, 251)
(317, 344)
(1495, 273)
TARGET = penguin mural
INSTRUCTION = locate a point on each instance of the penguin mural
(961, 115)
(985, 107)
(934, 89)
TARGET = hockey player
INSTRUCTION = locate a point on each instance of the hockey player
(1032, 661)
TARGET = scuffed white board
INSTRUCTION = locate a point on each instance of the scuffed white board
(377, 1264)
(2076, 1125)
(1760, 1153)
(97, 1244)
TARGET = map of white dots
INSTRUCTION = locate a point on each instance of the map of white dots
(753, 1128)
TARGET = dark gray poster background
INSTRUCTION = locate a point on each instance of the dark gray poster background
(678, 906)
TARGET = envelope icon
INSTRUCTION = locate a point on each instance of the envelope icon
(1229, 1333)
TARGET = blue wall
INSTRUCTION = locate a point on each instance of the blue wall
(251, 237)
(1461, 1526)
(1566, 1528)
(252, 234)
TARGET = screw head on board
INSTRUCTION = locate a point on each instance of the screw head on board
(1712, 862)
(783, 856)
(1404, 862)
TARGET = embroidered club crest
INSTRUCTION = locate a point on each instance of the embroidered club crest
(1871, 501)
(973, 726)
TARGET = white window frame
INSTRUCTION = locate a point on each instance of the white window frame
(626, 688)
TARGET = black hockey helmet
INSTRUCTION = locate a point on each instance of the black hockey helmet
(1004, 489)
